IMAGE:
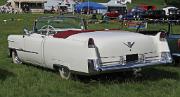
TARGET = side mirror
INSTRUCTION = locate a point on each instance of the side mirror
(26, 32)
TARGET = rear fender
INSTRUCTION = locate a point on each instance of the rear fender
(162, 44)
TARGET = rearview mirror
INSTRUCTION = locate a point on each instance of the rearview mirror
(26, 32)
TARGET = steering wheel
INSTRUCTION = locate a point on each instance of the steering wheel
(43, 27)
(47, 28)
(51, 29)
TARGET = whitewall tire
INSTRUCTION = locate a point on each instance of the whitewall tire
(65, 73)
(15, 58)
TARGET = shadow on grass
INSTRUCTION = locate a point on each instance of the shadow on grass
(5, 74)
(150, 74)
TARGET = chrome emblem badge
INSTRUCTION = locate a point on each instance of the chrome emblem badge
(129, 44)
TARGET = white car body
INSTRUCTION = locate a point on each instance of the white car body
(112, 50)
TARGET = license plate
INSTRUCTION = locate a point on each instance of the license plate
(131, 58)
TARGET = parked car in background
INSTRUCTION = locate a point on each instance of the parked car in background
(135, 15)
(112, 14)
(168, 8)
(154, 14)
(63, 44)
(174, 14)
(171, 35)
(174, 43)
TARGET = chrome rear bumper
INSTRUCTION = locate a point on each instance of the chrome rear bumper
(94, 69)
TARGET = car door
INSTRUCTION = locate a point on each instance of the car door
(174, 44)
(33, 48)
(174, 40)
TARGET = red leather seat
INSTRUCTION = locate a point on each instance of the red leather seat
(65, 34)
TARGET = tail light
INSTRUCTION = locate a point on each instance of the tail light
(91, 43)
(163, 36)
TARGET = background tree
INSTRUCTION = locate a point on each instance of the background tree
(175, 3)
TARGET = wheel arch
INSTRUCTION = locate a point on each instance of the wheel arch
(58, 66)
(11, 50)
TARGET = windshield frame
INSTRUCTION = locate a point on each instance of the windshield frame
(48, 21)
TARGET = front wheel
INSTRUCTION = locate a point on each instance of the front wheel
(65, 73)
(15, 58)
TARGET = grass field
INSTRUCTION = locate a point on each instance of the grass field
(2, 2)
(158, 3)
(29, 81)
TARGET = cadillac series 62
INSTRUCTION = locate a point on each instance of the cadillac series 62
(64, 44)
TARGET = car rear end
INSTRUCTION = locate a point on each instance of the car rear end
(124, 51)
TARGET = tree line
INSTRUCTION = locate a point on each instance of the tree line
(175, 3)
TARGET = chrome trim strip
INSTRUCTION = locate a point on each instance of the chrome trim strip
(176, 54)
(114, 67)
(11, 41)
(148, 53)
(152, 60)
(109, 62)
(151, 57)
(136, 61)
(25, 51)
(128, 66)
(125, 55)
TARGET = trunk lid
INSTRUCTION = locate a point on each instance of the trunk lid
(113, 44)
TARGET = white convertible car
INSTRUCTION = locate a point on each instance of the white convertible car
(64, 44)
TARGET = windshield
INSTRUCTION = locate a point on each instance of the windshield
(59, 23)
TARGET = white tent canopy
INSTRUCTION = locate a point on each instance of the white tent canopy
(39, 1)
(35, 5)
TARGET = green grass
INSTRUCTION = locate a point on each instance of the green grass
(2, 2)
(158, 3)
(29, 81)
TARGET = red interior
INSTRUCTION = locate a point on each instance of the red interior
(65, 34)
(68, 33)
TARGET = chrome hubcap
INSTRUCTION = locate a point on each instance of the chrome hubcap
(16, 59)
(65, 73)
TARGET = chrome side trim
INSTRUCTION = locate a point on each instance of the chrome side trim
(11, 41)
(176, 54)
(25, 51)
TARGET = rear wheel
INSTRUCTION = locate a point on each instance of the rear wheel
(15, 58)
(65, 73)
